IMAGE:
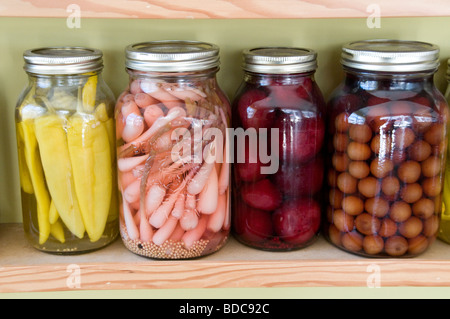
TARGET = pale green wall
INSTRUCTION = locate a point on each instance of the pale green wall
(113, 35)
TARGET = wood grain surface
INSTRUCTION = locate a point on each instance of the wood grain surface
(25, 269)
(218, 9)
(237, 274)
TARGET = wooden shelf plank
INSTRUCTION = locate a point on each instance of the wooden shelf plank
(218, 9)
(24, 269)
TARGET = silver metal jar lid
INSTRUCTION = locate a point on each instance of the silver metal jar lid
(63, 60)
(279, 60)
(390, 55)
(172, 56)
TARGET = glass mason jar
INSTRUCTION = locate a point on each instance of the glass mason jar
(388, 139)
(66, 151)
(444, 231)
(171, 132)
(278, 174)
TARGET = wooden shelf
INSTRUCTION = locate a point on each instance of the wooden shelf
(220, 9)
(24, 269)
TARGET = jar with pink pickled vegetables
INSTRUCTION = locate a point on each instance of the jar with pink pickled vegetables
(171, 125)
(277, 179)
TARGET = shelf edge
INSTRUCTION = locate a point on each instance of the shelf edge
(226, 274)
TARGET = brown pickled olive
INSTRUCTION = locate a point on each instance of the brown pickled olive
(411, 228)
(432, 186)
(435, 134)
(340, 162)
(396, 246)
(423, 208)
(358, 151)
(419, 151)
(367, 224)
(369, 186)
(399, 156)
(346, 183)
(417, 245)
(431, 226)
(352, 241)
(409, 172)
(390, 186)
(373, 244)
(358, 169)
(411, 193)
(403, 138)
(341, 123)
(400, 212)
(388, 228)
(381, 167)
(381, 145)
(342, 221)
(360, 133)
(431, 166)
(377, 206)
(353, 205)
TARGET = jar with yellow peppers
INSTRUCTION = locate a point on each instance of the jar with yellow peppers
(66, 151)
(444, 231)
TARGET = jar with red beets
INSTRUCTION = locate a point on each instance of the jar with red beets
(277, 199)
(388, 127)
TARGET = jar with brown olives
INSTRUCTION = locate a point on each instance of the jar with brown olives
(388, 140)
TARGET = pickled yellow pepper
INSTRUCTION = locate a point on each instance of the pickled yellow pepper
(24, 173)
(37, 178)
(90, 156)
(89, 94)
(102, 115)
(57, 166)
(446, 193)
(25, 178)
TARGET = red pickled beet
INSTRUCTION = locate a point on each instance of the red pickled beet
(262, 195)
(253, 225)
(302, 179)
(255, 111)
(346, 102)
(297, 221)
(422, 100)
(301, 137)
(304, 90)
(284, 96)
(250, 170)
(375, 100)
